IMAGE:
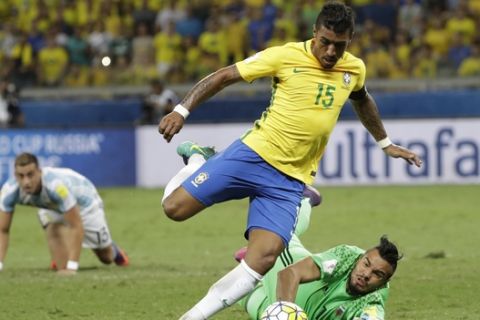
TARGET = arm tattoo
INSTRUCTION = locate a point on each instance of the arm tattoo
(368, 114)
(210, 85)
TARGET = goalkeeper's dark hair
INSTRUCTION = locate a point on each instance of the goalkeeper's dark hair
(337, 17)
(389, 252)
(25, 158)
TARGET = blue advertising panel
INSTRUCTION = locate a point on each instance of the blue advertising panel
(105, 156)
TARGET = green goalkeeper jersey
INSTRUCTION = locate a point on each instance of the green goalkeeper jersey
(327, 298)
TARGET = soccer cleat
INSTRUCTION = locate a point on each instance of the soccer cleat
(313, 195)
(240, 254)
(188, 148)
(53, 266)
(121, 259)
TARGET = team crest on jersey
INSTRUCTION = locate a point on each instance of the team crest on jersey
(200, 178)
(347, 78)
(329, 265)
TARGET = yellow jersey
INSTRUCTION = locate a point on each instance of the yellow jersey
(292, 133)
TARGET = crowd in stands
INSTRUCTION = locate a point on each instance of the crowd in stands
(77, 43)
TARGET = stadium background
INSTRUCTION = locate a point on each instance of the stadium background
(80, 109)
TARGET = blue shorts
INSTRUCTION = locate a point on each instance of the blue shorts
(239, 172)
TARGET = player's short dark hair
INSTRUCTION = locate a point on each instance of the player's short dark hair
(25, 158)
(337, 17)
(388, 251)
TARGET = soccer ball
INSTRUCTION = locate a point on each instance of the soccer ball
(283, 310)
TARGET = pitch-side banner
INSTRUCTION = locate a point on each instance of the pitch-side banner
(105, 156)
(449, 148)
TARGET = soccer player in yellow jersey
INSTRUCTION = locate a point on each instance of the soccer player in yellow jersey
(272, 163)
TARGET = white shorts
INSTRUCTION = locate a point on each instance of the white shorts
(96, 232)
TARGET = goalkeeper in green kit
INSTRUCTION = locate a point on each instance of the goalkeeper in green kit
(344, 282)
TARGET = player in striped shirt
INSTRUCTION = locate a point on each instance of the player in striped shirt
(71, 213)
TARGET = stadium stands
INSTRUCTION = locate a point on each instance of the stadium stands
(127, 42)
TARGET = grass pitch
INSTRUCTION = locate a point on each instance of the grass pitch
(173, 264)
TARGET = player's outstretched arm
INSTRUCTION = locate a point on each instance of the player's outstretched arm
(5, 222)
(367, 112)
(289, 278)
(173, 122)
(74, 240)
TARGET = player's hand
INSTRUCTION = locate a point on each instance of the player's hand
(66, 272)
(400, 152)
(170, 125)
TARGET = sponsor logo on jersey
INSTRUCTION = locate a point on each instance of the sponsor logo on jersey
(295, 70)
(329, 265)
(200, 178)
(62, 191)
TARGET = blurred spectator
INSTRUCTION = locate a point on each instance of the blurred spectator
(383, 13)
(280, 37)
(78, 48)
(10, 113)
(379, 62)
(309, 13)
(458, 51)
(424, 66)
(157, 103)
(191, 59)
(171, 12)
(235, 37)
(167, 44)
(52, 63)
(121, 45)
(143, 54)
(461, 23)
(36, 39)
(189, 25)
(99, 39)
(22, 66)
(471, 65)
(145, 16)
(437, 37)
(410, 17)
(259, 30)
(402, 52)
(86, 11)
(212, 41)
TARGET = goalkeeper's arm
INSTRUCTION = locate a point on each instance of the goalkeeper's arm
(289, 278)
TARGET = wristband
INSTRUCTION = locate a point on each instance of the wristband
(384, 143)
(72, 265)
(1, 266)
(182, 110)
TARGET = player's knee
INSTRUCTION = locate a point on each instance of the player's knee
(261, 263)
(268, 261)
(173, 210)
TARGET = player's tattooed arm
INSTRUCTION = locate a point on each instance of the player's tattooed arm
(368, 114)
(210, 85)
(173, 122)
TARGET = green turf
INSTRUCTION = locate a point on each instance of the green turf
(173, 264)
